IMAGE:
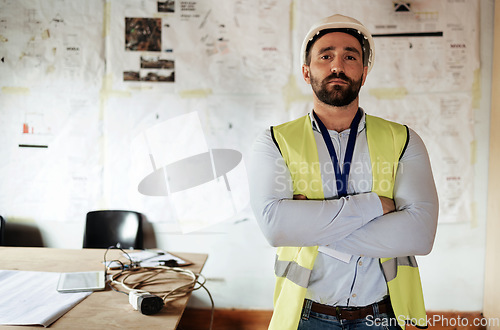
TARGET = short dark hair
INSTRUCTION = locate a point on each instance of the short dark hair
(365, 47)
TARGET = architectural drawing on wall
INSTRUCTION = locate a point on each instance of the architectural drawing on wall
(156, 62)
(57, 20)
(32, 55)
(167, 6)
(149, 76)
(72, 60)
(402, 6)
(35, 132)
(217, 48)
(185, 173)
(32, 23)
(145, 34)
(242, 46)
(153, 68)
(4, 23)
(48, 44)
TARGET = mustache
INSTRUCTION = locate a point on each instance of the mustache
(339, 75)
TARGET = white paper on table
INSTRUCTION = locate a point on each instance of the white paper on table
(31, 298)
(151, 258)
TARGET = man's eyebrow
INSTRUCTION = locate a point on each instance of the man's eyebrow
(352, 49)
(348, 48)
(326, 49)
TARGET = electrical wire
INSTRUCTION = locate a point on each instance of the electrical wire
(122, 265)
(130, 279)
(133, 277)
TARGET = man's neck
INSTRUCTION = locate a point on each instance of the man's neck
(336, 118)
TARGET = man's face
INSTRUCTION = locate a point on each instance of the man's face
(336, 71)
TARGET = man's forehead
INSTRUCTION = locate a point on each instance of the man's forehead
(338, 39)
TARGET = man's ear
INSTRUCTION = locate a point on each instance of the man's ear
(365, 73)
(306, 73)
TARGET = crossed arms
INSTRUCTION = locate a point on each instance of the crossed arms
(359, 224)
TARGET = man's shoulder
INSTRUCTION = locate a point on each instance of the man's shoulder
(381, 121)
(293, 122)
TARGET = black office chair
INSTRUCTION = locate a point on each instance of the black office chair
(2, 230)
(24, 234)
(112, 227)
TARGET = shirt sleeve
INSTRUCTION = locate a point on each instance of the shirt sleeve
(288, 222)
(412, 228)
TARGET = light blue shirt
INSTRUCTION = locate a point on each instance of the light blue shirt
(354, 225)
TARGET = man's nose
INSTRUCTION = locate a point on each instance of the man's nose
(337, 65)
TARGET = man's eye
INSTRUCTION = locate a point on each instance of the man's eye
(351, 58)
(325, 57)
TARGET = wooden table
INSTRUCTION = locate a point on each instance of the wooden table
(103, 309)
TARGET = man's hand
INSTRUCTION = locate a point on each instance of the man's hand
(300, 197)
(387, 204)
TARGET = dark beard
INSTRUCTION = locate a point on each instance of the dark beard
(339, 96)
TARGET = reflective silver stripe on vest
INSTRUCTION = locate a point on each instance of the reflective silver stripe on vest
(292, 271)
(390, 267)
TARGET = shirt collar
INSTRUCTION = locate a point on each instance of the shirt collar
(315, 126)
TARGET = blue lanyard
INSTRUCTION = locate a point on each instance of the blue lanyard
(341, 177)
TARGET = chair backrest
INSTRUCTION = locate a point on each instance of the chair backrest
(2, 230)
(111, 227)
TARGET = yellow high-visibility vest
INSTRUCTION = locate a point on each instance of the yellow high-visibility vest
(386, 143)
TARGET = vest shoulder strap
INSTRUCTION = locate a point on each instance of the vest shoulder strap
(296, 143)
(387, 142)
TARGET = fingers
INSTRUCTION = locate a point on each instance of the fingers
(387, 204)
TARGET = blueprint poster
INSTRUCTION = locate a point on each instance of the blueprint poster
(51, 73)
(199, 46)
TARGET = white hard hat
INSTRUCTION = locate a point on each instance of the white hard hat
(350, 25)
